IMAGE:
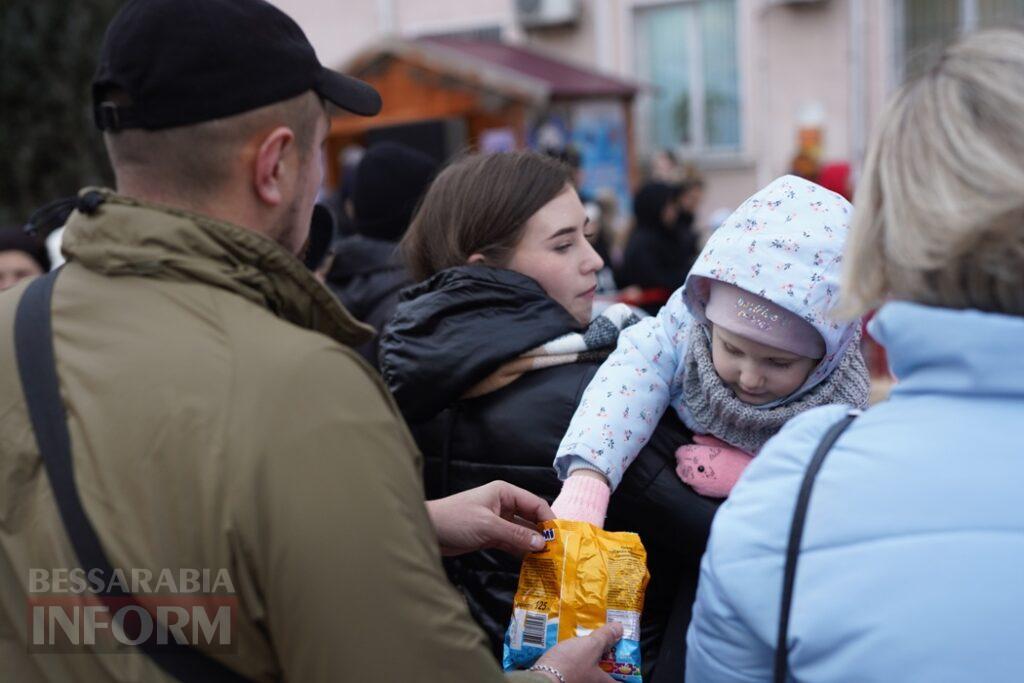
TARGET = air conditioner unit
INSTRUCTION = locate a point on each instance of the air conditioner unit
(547, 13)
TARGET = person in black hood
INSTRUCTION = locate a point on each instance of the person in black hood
(367, 273)
(487, 358)
(661, 249)
(339, 201)
(21, 256)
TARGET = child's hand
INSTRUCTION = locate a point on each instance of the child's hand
(712, 467)
(584, 498)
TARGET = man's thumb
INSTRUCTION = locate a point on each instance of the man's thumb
(607, 635)
(516, 538)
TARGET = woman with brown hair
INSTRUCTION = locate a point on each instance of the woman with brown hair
(488, 357)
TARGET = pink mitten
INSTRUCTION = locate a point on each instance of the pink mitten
(712, 467)
(583, 499)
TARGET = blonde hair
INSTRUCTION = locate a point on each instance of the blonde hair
(939, 211)
(195, 161)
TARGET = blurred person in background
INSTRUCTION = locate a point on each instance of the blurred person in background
(665, 168)
(691, 194)
(339, 201)
(46, 224)
(909, 564)
(367, 272)
(660, 249)
(21, 256)
(607, 239)
(487, 357)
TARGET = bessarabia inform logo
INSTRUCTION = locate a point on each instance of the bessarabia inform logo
(72, 609)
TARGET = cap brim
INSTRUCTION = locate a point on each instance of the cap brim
(349, 93)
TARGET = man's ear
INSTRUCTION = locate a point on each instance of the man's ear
(268, 165)
(476, 260)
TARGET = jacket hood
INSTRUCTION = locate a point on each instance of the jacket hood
(452, 330)
(650, 202)
(785, 243)
(127, 237)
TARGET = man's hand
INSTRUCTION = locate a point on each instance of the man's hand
(576, 658)
(496, 515)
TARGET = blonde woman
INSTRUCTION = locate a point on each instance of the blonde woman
(908, 563)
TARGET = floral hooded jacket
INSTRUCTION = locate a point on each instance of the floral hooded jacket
(785, 244)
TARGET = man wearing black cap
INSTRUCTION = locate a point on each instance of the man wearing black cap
(180, 408)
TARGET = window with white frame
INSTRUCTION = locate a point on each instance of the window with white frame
(687, 51)
(925, 27)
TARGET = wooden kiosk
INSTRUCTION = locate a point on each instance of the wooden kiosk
(456, 93)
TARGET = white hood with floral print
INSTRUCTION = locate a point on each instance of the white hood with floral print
(784, 243)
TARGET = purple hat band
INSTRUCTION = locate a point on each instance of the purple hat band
(758, 319)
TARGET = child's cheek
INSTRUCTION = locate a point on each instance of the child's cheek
(721, 365)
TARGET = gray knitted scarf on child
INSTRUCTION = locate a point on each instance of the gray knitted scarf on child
(717, 411)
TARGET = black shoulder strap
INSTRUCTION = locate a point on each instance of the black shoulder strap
(796, 531)
(33, 340)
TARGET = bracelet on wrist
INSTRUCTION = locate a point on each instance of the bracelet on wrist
(548, 670)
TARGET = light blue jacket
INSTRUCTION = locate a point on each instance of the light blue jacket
(784, 243)
(912, 562)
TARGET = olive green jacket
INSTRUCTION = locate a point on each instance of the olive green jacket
(219, 420)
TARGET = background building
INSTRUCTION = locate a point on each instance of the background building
(735, 87)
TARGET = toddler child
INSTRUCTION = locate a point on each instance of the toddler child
(746, 344)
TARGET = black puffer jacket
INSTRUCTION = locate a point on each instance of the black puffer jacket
(367, 275)
(449, 333)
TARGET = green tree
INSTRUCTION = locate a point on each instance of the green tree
(49, 147)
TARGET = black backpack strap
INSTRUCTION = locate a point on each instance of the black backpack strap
(37, 368)
(796, 531)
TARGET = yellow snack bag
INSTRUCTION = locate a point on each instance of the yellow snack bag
(584, 578)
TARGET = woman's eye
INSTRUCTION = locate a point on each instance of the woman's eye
(563, 247)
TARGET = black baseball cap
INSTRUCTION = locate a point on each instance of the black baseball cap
(181, 62)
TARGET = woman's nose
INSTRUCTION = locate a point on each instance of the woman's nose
(592, 261)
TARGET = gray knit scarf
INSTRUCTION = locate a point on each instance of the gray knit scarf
(717, 411)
